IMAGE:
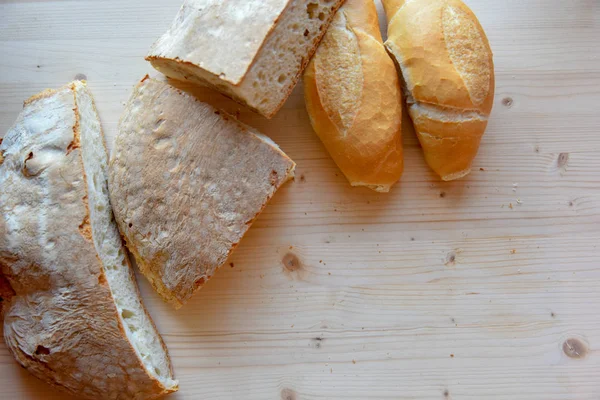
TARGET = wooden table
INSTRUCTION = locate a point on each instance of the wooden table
(486, 288)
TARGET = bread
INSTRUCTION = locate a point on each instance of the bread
(186, 182)
(354, 101)
(253, 51)
(447, 67)
(70, 304)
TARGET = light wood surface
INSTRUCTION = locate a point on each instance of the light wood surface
(462, 290)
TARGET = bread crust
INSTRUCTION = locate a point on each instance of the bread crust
(60, 319)
(354, 101)
(447, 68)
(186, 183)
(183, 54)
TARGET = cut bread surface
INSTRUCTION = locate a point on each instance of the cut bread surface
(137, 324)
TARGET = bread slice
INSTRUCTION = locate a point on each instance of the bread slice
(448, 70)
(353, 98)
(186, 182)
(71, 307)
(253, 51)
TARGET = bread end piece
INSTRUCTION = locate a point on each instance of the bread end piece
(266, 51)
(450, 88)
(354, 101)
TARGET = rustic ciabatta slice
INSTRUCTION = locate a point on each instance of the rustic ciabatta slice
(186, 182)
(252, 51)
(71, 307)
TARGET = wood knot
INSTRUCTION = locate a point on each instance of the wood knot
(574, 348)
(507, 102)
(288, 394)
(563, 159)
(317, 342)
(450, 259)
(291, 262)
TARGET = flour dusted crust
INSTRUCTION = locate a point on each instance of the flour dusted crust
(353, 99)
(186, 183)
(253, 51)
(447, 67)
(60, 319)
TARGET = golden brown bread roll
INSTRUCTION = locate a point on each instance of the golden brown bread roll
(354, 101)
(448, 71)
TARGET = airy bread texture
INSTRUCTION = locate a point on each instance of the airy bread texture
(354, 100)
(186, 182)
(253, 51)
(448, 72)
(71, 307)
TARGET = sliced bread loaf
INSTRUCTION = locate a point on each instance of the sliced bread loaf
(186, 182)
(70, 303)
(252, 51)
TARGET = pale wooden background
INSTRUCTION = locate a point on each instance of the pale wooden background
(435, 291)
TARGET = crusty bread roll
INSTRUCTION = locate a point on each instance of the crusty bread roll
(186, 183)
(447, 67)
(354, 100)
(70, 304)
(253, 51)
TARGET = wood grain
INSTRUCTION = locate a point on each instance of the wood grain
(484, 288)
